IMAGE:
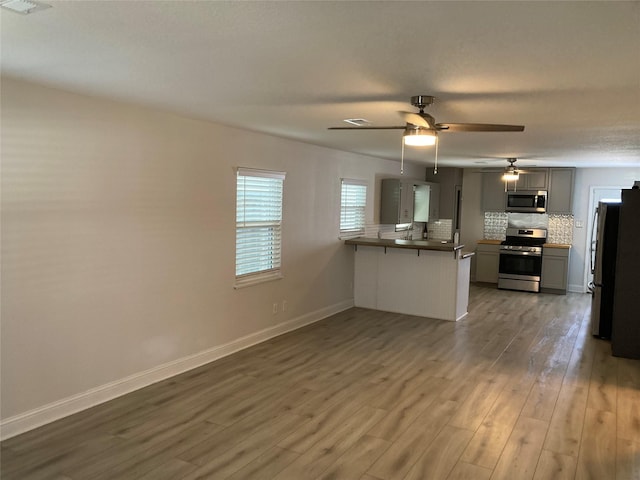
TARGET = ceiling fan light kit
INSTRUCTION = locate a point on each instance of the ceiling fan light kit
(511, 173)
(419, 137)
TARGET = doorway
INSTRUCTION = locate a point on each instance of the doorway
(596, 194)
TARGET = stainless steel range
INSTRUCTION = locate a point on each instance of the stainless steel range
(521, 259)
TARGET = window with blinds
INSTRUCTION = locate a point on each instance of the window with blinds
(353, 200)
(258, 225)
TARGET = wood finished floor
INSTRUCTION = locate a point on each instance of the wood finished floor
(517, 390)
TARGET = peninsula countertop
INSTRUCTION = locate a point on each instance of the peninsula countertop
(411, 244)
(414, 277)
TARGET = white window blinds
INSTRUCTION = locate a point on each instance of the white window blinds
(258, 225)
(353, 200)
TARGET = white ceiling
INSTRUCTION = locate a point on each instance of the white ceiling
(568, 71)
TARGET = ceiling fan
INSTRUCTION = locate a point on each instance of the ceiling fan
(421, 128)
(511, 172)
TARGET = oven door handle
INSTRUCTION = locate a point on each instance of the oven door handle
(520, 254)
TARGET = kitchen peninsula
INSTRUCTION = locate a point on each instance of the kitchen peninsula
(414, 277)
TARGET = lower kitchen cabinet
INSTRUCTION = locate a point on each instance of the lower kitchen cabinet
(555, 270)
(487, 261)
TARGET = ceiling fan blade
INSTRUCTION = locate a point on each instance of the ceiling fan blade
(420, 120)
(478, 127)
(368, 128)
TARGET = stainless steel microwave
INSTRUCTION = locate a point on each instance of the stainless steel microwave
(526, 201)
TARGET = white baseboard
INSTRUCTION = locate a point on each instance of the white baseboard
(576, 288)
(26, 421)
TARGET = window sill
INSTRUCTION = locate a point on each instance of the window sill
(256, 279)
(348, 235)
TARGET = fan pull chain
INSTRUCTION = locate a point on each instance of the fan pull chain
(402, 159)
(435, 168)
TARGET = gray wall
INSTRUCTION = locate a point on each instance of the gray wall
(118, 246)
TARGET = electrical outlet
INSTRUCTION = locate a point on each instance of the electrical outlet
(284, 305)
(579, 224)
(275, 308)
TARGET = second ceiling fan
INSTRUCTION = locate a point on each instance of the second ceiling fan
(421, 128)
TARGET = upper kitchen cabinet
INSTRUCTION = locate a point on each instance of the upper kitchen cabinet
(533, 179)
(449, 181)
(422, 195)
(433, 202)
(492, 191)
(560, 199)
(408, 200)
(396, 201)
(434, 205)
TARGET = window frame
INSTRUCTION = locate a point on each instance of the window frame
(245, 224)
(352, 232)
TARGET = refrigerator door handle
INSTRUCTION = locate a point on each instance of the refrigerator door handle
(594, 242)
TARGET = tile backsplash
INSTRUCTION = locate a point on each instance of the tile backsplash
(440, 229)
(495, 225)
(559, 228)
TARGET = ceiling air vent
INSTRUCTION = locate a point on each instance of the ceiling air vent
(23, 7)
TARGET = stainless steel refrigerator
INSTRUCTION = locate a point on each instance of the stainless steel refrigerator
(615, 311)
(625, 329)
(604, 267)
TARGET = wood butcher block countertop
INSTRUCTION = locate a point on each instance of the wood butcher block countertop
(556, 245)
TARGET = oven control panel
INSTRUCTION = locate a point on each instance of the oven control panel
(521, 248)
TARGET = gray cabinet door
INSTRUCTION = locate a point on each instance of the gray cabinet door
(487, 262)
(561, 190)
(449, 180)
(534, 180)
(396, 201)
(422, 195)
(406, 201)
(555, 269)
(434, 203)
(390, 201)
(492, 192)
(531, 179)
